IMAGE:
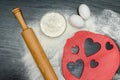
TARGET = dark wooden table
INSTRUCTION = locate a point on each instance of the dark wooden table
(11, 42)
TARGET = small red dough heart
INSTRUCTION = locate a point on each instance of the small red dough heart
(96, 59)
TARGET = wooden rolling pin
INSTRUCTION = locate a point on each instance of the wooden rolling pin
(35, 48)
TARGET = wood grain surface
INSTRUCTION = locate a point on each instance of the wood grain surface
(11, 42)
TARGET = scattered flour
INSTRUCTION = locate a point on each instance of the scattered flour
(108, 23)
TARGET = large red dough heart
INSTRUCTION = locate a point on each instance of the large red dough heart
(90, 56)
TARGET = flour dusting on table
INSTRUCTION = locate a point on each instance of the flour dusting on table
(108, 23)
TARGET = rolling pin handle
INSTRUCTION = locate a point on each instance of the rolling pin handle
(18, 14)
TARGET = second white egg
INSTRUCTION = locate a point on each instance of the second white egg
(76, 21)
(84, 11)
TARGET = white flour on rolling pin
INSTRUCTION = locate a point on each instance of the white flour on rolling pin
(108, 23)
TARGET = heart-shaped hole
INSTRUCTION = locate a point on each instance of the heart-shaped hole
(75, 50)
(91, 47)
(76, 69)
(109, 46)
(93, 64)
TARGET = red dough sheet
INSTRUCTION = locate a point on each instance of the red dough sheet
(90, 56)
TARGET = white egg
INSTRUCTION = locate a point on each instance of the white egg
(76, 20)
(84, 11)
